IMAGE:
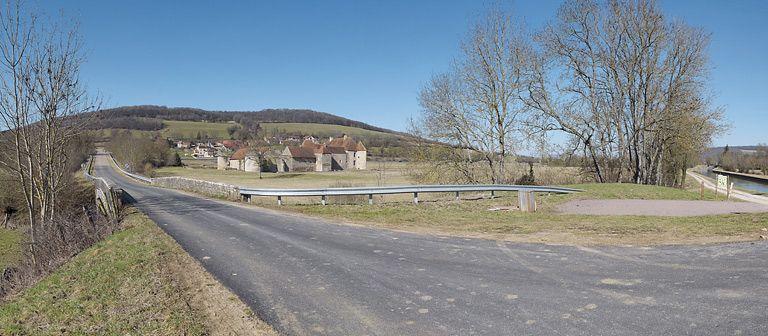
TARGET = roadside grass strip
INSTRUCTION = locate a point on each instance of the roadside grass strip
(136, 282)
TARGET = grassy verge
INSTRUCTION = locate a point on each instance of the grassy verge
(138, 281)
(10, 248)
(473, 218)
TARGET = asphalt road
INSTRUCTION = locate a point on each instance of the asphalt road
(311, 277)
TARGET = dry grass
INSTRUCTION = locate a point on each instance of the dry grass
(393, 174)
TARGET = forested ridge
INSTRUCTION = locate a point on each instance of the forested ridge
(116, 117)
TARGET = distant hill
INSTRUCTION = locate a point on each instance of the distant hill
(106, 118)
(714, 152)
(278, 124)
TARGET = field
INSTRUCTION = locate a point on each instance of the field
(190, 129)
(10, 249)
(321, 130)
(389, 173)
(110, 132)
(138, 282)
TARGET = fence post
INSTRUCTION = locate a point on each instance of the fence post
(370, 199)
(701, 190)
(415, 198)
(730, 186)
(716, 188)
(279, 200)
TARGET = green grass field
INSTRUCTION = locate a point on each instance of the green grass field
(323, 130)
(190, 129)
(136, 282)
(10, 248)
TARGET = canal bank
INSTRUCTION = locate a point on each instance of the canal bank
(709, 183)
(750, 183)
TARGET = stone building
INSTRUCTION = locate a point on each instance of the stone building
(336, 154)
(242, 159)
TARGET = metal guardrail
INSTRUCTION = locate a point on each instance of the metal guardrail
(108, 196)
(525, 193)
(135, 176)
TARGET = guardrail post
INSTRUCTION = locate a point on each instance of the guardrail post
(457, 196)
(370, 199)
(527, 201)
(415, 198)
(279, 200)
(322, 200)
(493, 194)
(247, 198)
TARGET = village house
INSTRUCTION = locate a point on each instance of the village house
(232, 145)
(202, 151)
(336, 154)
(242, 159)
(183, 144)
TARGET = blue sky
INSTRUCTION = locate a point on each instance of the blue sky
(364, 60)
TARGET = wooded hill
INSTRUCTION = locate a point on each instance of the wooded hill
(191, 123)
(117, 117)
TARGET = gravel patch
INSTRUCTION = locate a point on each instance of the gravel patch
(658, 207)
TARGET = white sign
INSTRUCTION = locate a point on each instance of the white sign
(722, 181)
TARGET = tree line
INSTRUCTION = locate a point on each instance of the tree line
(141, 154)
(134, 123)
(626, 85)
(753, 161)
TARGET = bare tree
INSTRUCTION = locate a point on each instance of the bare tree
(40, 94)
(478, 105)
(630, 89)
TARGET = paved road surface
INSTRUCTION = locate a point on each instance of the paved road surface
(310, 277)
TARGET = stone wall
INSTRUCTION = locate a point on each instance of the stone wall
(207, 188)
(108, 198)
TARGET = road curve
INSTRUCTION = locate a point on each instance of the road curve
(311, 277)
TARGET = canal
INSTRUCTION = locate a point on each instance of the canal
(743, 183)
